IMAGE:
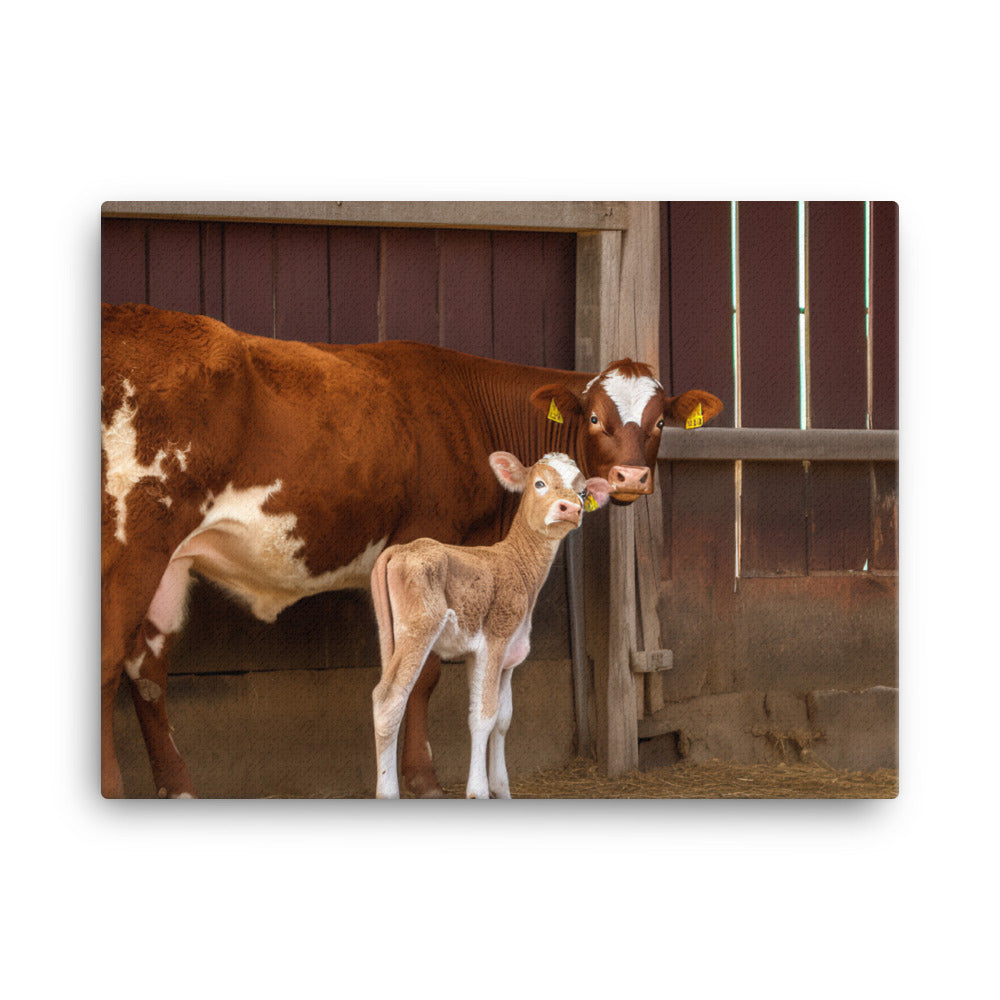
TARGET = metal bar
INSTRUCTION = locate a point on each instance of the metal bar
(766, 444)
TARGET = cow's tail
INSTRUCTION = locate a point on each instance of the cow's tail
(383, 606)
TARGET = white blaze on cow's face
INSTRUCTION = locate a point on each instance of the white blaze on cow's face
(630, 394)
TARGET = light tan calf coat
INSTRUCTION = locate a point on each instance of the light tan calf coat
(473, 603)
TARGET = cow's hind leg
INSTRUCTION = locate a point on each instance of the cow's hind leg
(418, 769)
(111, 775)
(146, 670)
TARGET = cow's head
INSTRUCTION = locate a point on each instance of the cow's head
(620, 415)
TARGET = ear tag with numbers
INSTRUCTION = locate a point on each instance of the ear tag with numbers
(554, 413)
(590, 503)
(695, 419)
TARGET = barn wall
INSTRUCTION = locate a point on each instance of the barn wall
(502, 294)
(780, 578)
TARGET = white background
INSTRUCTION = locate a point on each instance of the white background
(119, 101)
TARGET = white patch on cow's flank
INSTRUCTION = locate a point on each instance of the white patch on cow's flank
(630, 394)
(256, 556)
(119, 442)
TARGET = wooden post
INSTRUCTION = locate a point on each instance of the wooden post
(618, 305)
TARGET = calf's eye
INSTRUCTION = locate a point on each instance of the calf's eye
(593, 418)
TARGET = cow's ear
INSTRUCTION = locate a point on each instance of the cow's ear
(556, 401)
(599, 489)
(683, 408)
(510, 473)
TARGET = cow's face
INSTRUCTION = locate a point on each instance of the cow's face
(555, 493)
(621, 413)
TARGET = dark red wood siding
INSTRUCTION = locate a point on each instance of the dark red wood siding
(508, 295)
(794, 519)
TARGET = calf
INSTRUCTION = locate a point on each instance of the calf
(476, 603)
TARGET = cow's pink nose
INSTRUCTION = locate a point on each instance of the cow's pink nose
(630, 479)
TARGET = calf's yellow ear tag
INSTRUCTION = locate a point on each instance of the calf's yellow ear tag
(554, 413)
(590, 503)
(695, 419)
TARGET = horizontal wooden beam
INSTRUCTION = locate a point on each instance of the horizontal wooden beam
(766, 444)
(558, 216)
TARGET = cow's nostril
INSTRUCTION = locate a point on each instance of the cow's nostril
(644, 478)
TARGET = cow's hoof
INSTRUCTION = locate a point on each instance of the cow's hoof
(424, 786)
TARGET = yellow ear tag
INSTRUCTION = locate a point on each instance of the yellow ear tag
(696, 418)
(554, 413)
(590, 503)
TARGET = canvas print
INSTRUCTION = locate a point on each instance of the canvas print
(499, 500)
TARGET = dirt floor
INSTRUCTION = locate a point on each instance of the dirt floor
(814, 780)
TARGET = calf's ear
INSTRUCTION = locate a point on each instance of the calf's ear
(599, 489)
(510, 473)
(555, 401)
(679, 408)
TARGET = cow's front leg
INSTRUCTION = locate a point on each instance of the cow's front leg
(418, 770)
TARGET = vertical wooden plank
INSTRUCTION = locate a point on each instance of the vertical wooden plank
(174, 250)
(248, 277)
(559, 262)
(354, 285)
(123, 261)
(839, 493)
(773, 514)
(666, 352)
(885, 516)
(840, 516)
(836, 314)
(302, 301)
(885, 314)
(773, 531)
(701, 301)
(409, 285)
(698, 602)
(623, 730)
(769, 313)
(702, 532)
(638, 337)
(598, 261)
(466, 289)
(211, 270)
(518, 298)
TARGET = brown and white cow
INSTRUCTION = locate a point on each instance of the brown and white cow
(279, 470)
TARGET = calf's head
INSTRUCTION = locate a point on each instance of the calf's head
(554, 490)
(621, 413)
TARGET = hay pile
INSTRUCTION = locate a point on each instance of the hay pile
(581, 779)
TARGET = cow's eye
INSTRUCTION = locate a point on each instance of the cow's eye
(540, 486)
(659, 424)
(593, 418)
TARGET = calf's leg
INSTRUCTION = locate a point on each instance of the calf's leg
(497, 767)
(484, 707)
